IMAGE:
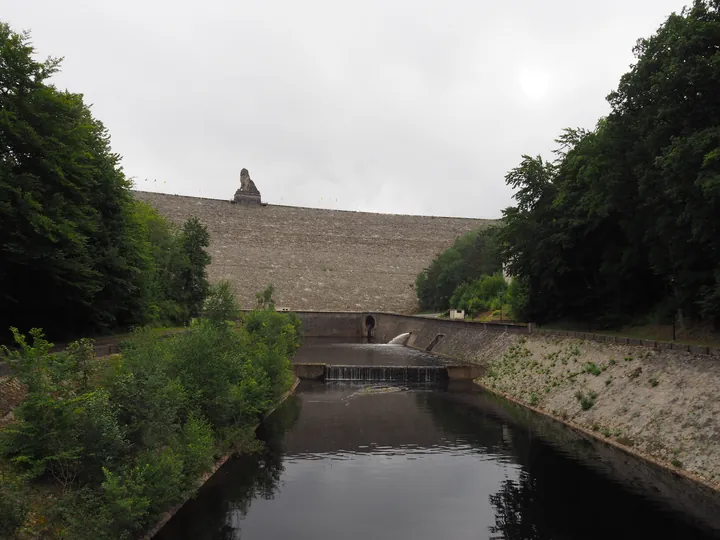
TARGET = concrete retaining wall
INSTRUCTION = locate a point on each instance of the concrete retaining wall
(462, 340)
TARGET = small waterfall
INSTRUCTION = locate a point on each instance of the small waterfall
(424, 374)
(400, 340)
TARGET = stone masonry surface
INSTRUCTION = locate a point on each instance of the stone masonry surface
(317, 259)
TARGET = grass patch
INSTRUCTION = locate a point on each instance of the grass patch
(676, 463)
(586, 400)
(592, 368)
(654, 382)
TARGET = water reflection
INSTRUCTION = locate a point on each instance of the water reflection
(373, 462)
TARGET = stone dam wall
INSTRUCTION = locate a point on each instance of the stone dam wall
(317, 259)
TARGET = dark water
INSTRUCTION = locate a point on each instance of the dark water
(351, 461)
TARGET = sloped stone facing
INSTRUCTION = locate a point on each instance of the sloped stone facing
(317, 259)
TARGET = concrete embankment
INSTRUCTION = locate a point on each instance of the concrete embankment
(655, 400)
(658, 403)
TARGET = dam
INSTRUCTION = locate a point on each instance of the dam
(322, 260)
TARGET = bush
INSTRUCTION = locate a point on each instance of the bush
(68, 439)
(13, 504)
(196, 447)
(221, 304)
(150, 403)
(586, 400)
(483, 294)
(126, 442)
(471, 256)
(518, 298)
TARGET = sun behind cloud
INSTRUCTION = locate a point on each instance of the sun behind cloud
(534, 81)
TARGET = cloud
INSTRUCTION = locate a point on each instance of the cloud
(405, 106)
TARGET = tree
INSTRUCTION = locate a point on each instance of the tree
(194, 238)
(471, 256)
(623, 225)
(68, 262)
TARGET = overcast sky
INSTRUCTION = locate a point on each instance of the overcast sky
(403, 106)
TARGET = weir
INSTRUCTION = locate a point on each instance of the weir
(423, 374)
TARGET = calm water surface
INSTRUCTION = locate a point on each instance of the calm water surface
(353, 461)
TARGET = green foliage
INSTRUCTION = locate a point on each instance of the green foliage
(624, 223)
(221, 304)
(518, 298)
(471, 256)
(586, 400)
(196, 447)
(592, 368)
(13, 503)
(194, 238)
(485, 293)
(129, 440)
(169, 278)
(73, 240)
(174, 282)
(150, 403)
(265, 298)
(68, 439)
(64, 203)
(65, 428)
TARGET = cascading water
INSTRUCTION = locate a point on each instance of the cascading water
(400, 340)
(424, 374)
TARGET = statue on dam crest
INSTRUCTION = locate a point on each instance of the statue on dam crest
(248, 192)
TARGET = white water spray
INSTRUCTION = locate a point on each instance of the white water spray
(400, 340)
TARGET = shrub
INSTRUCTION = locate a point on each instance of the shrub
(68, 439)
(13, 504)
(517, 298)
(471, 256)
(221, 304)
(586, 401)
(132, 439)
(150, 403)
(196, 447)
(592, 368)
(480, 295)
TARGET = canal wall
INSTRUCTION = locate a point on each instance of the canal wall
(659, 404)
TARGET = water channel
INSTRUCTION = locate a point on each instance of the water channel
(358, 460)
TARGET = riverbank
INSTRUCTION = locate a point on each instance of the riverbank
(656, 403)
(167, 516)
